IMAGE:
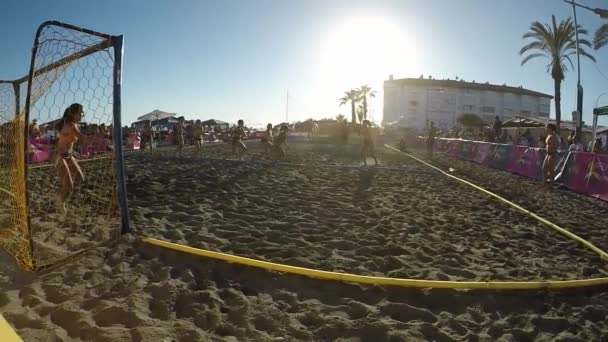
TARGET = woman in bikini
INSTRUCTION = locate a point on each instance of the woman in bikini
(280, 143)
(552, 144)
(197, 135)
(268, 139)
(179, 136)
(237, 138)
(68, 170)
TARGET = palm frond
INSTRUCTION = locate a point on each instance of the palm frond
(600, 38)
(532, 56)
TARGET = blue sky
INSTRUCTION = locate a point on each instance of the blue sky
(236, 59)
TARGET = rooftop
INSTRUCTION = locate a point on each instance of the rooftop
(422, 82)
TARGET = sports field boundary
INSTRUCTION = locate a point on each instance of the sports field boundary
(603, 255)
(381, 281)
(7, 334)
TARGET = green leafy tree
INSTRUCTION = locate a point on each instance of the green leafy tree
(364, 92)
(470, 121)
(351, 96)
(557, 44)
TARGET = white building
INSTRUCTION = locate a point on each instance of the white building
(414, 100)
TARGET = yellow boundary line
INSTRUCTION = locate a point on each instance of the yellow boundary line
(7, 334)
(370, 280)
(603, 255)
(7, 192)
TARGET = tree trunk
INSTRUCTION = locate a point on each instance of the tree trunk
(365, 107)
(558, 108)
(354, 114)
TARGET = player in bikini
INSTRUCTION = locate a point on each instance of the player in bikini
(237, 138)
(68, 170)
(197, 135)
(268, 139)
(147, 137)
(179, 136)
(552, 144)
(280, 143)
(368, 148)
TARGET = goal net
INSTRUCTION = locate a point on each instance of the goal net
(64, 211)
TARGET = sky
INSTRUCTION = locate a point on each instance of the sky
(230, 59)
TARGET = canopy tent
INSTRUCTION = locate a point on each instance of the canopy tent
(535, 122)
(213, 122)
(596, 113)
(156, 115)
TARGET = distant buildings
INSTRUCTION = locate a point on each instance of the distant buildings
(414, 100)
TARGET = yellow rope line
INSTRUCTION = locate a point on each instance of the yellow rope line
(7, 334)
(353, 278)
(10, 193)
(603, 255)
(79, 161)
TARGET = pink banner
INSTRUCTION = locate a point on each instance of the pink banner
(589, 175)
(133, 141)
(93, 145)
(524, 161)
(455, 148)
(39, 150)
(481, 152)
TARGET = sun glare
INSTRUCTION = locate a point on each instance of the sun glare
(363, 51)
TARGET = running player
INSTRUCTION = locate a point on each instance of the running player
(267, 139)
(280, 143)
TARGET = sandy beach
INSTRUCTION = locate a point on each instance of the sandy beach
(318, 209)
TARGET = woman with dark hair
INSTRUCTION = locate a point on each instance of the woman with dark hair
(280, 143)
(68, 170)
(552, 145)
(237, 138)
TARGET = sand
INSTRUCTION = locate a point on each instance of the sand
(318, 209)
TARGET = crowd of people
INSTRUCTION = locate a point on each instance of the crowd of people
(498, 134)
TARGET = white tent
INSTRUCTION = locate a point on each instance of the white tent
(156, 115)
(597, 112)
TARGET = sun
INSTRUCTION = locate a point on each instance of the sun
(363, 50)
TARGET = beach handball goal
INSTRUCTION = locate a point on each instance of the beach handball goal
(68, 65)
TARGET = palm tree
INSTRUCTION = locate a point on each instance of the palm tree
(557, 44)
(352, 96)
(600, 38)
(364, 92)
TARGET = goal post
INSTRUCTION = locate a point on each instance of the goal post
(69, 65)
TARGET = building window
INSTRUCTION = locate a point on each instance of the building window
(468, 108)
(546, 115)
(487, 109)
(525, 112)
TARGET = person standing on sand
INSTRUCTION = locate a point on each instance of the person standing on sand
(552, 144)
(197, 135)
(368, 148)
(179, 136)
(267, 139)
(68, 170)
(147, 137)
(280, 143)
(430, 139)
(237, 138)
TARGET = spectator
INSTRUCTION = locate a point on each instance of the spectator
(597, 148)
(576, 145)
(541, 141)
(497, 126)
